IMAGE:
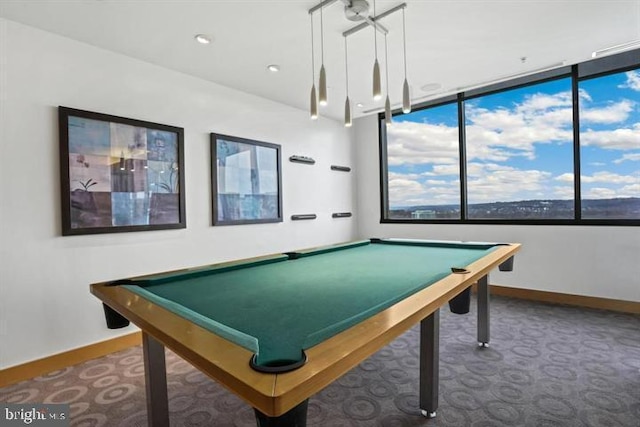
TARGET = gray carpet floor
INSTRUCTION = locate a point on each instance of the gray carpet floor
(548, 365)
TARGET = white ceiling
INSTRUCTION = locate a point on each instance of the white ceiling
(454, 43)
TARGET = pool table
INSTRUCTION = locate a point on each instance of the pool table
(277, 329)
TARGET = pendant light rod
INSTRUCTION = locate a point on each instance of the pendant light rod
(387, 102)
(322, 84)
(321, 37)
(346, 65)
(373, 21)
(375, 32)
(404, 43)
(313, 59)
(406, 91)
(386, 63)
(313, 104)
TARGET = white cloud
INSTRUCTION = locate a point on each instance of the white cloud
(564, 192)
(422, 143)
(540, 118)
(435, 182)
(565, 177)
(616, 112)
(599, 193)
(401, 190)
(632, 157)
(404, 185)
(609, 178)
(408, 176)
(617, 139)
(632, 190)
(541, 102)
(493, 182)
(607, 185)
(633, 81)
(584, 96)
(446, 169)
(409, 190)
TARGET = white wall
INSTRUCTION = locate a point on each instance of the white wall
(45, 305)
(593, 261)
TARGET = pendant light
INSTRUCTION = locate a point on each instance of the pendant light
(387, 103)
(406, 97)
(377, 89)
(347, 103)
(357, 10)
(322, 86)
(313, 108)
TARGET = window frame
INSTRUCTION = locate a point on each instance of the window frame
(588, 70)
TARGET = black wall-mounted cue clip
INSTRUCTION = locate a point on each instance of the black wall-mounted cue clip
(303, 216)
(302, 159)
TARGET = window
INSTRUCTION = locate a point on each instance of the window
(558, 147)
(519, 146)
(423, 160)
(610, 146)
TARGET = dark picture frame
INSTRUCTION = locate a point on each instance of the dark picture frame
(119, 174)
(246, 181)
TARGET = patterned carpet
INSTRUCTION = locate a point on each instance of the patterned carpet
(548, 365)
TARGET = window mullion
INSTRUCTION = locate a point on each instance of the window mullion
(462, 139)
(577, 198)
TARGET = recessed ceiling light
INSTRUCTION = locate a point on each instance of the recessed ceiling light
(359, 105)
(430, 87)
(203, 39)
(274, 68)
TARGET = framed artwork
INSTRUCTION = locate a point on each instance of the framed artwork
(119, 174)
(246, 181)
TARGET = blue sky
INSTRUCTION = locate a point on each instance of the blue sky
(519, 145)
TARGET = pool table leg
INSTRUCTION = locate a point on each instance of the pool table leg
(429, 361)
(483, 311)
(296, 417)
(155, 373)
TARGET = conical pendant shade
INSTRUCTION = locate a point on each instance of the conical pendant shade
(387, 111)
(347, 113)
(377, 86)
(313, 109)
(406, 98)
(322, 87)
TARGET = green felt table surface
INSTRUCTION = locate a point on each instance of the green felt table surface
(280, 306)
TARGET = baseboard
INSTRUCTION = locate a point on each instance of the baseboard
(33, 369)
(622, 306)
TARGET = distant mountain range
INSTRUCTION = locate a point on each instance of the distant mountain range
(618, 208)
